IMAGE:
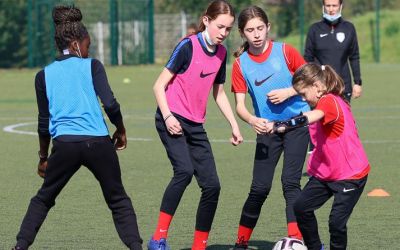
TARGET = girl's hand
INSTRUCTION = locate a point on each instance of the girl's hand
(270, 127)
(41, 168)
(277, 96)
(259, 124)
(173, 125)
(119, 139)
(357, 91)
(236, 138)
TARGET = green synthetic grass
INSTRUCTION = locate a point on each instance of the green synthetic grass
(81, 219)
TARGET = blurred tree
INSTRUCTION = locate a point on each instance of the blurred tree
(194, 6)
(13, 30)
(287, 18)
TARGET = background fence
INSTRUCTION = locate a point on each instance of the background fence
(121, 30)
(146, 31)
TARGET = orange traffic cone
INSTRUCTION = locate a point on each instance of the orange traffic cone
(378, 192)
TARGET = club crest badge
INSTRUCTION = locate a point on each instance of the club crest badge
(340, 36)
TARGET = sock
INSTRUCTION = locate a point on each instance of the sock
(164, 220)
(244, 234)
(294, 231)
(200, 240)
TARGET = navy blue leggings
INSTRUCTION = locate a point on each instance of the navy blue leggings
(346, 194)
(268, 151)
(99, 156)
(190, 155)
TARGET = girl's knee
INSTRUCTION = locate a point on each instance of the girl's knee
(184, 176)
(298, 207)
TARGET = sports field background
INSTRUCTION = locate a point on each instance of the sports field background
(81, 219)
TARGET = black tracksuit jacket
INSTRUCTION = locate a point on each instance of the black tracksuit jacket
(337, 46)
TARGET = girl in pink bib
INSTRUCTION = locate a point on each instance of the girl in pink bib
(196, 67)
(338, 165)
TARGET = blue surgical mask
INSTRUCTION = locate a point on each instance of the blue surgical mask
(332, 18)
(207, 37)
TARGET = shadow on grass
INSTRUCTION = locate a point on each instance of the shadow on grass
(253, 245)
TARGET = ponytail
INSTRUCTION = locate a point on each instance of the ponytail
(333, 82)
(244, 47)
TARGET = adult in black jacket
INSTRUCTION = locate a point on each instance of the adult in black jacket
(333, 41)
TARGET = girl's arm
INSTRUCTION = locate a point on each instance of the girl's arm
(296, 122)
(314, 115)
(277, 96)
(173, 125)
(258, 124)
(293, 60)
(223, 104)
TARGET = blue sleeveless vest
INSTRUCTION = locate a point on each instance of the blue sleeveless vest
(73, 104)
(263, 77)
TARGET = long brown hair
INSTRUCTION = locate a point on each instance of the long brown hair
(245, 16)
(214, 9)
(309, 73)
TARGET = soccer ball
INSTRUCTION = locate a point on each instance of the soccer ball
(287, 243)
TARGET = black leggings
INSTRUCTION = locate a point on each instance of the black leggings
(268, 151)
(346, 194)
(190, 154)
(99, 156)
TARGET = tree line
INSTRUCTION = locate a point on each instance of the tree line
(284, 14)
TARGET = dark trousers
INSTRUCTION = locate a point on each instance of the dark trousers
(268, 151)
(348, 95)
(190, 154)
(99, 156)
(346, 194)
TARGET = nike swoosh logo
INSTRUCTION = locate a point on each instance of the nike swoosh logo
(259, 83)
(348, 190)
(322, 35)
(203, 75)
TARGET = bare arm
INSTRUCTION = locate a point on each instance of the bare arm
(314, 115)
(295, 122)
(258, 124)
(223, 104)
(173, 125)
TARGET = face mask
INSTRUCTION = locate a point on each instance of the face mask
(332, 18)
(207, 37)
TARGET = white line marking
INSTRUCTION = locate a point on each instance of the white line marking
(13, 129)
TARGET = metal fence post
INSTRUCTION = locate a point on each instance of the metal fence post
(113, 32)
(377, 36)
(30, 34)
(301, 24)
(151, 32)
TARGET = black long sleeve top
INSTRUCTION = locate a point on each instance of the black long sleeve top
(101, 87)
(335, 45)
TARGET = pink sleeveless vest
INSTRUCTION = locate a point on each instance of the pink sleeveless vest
(187, 93)
(338, 158)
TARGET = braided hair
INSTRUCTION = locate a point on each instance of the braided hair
(68, 26)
